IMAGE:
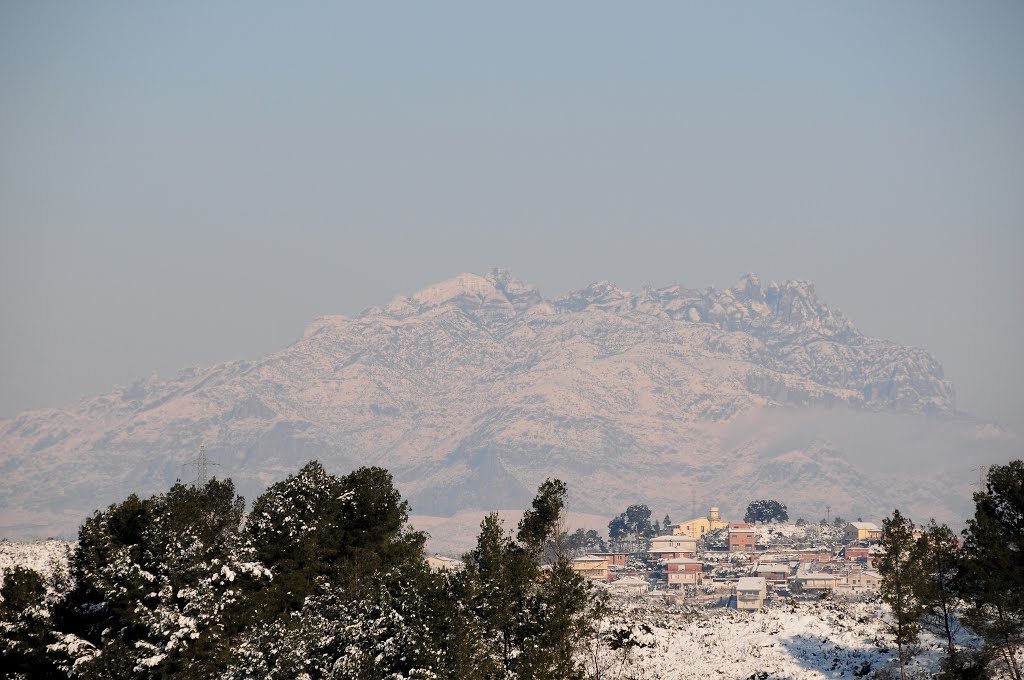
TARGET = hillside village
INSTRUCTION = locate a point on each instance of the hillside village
(739, 564)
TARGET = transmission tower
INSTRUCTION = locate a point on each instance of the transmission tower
(982, 471)
(202, 464)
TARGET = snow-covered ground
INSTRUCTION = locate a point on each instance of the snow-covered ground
(788, 535)
(802, 641)
(44, 557)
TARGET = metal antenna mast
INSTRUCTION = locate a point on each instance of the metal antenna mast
(202, 463)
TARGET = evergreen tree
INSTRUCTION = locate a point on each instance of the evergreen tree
(632, 527)
(992, 579)
(582, 542)
(618, 532)
(26, 627)
(902, 581)
(155, 584)
(938, 550)
(541, 524)
(498, 574)
(326, 580)
(316, 525)
(557, 621)
(765, 511)
(534, 619)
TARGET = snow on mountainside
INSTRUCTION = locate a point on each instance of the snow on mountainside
(472, 391)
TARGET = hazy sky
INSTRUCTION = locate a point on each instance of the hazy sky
(185, 183)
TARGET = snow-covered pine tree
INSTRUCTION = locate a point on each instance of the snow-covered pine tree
(903, 579)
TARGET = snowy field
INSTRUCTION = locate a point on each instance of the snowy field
(42, 556)
(803, 641)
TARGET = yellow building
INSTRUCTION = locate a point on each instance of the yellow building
(863, 531)
(591, 567)
(700, 526)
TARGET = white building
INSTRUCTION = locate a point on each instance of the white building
(750, 592)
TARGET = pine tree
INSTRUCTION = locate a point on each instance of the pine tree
(26, 627)
(938, 550)
(155, 582)
(992, 581)
(532, 618)
(499, 574)
(634, 524)
(765, 511)
(902, 577)
(315, 524)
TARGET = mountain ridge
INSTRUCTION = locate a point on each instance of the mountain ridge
(474, 389)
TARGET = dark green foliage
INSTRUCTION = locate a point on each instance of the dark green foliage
(903, 579)
(533, 618)
(632, 528)
(316, 525)
(326, 580)
(540, 524)
(22, 590)
(765, 511)
(938, 551)
(617, 530)
(25, 626)
(155, 581)
(582, 542)
(992, 577)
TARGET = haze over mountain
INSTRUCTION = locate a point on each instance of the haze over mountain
(474, 390)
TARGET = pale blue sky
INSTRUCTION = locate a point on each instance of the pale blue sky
(185, 183)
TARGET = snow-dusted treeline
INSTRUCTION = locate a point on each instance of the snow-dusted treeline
(323, 578)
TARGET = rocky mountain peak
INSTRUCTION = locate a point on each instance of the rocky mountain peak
(521, 295)
(463, 287)
(748, 288)
(600, 294)
(475, 389)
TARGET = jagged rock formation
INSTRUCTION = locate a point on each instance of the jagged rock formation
(475, 389)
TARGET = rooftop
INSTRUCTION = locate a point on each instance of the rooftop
(750, 583)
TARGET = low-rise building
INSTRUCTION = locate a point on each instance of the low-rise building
(684, 571)
(856, 552)
(591, 566)
(629, 586)
(615, 559)
(669, 547)
(863, 531)
(773, 572)
(697, 527)
(750, 592)
(858, 580)
(742, 539)
(816, 580)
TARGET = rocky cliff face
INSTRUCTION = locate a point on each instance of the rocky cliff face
(474, 390)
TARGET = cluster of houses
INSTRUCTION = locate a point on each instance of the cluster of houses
(744, 571)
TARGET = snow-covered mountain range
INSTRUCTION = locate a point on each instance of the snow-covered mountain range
(472, 391)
